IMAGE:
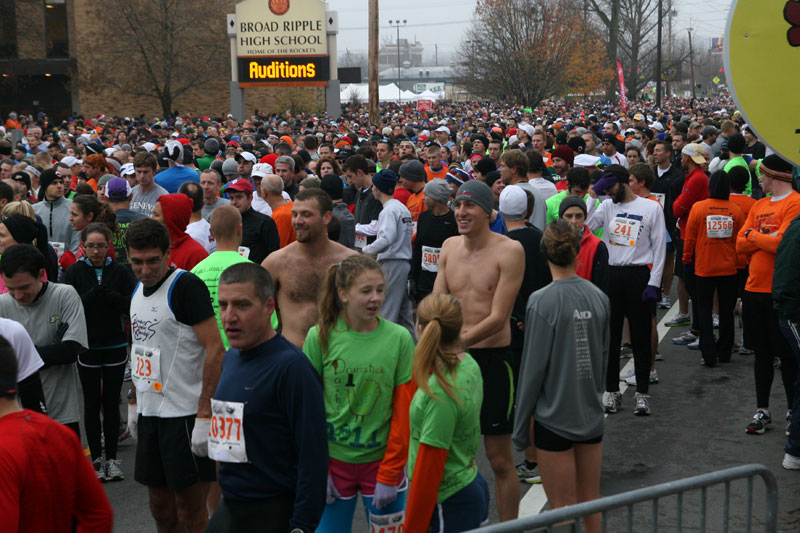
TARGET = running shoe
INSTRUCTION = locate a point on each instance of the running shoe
(100, 469)
(626, 351)
(759, 424)
(664, 303)
(528, 475)
(679, 320)
(715, 321)
(653, 379)
(790, 462)
(113, 471)
(124, 433)
(659, 357)
(694, 345)
(686, 338)
(745, 351)
(776, 362)
(626, 374)
(642, 405)
(612, 402)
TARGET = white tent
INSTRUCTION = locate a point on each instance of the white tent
(386, 93)
(428, 95)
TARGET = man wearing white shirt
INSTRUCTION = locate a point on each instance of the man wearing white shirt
(609, 149)
(198, 228)
(635, 235)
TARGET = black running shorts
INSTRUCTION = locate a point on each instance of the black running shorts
(547, 440)
(497, 370)
(164, 454)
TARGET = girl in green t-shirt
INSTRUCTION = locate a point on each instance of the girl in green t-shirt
(445, 425)
(365, 365)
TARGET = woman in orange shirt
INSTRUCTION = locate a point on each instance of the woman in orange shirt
(710, 243)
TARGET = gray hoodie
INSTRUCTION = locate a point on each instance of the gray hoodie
(563, 369)
(394, 233)
(55, 217)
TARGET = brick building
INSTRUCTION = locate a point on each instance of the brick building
(55, 58)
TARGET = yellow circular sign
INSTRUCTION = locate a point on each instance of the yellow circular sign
(762, 64)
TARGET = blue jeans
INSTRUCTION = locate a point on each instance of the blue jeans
(792, 333)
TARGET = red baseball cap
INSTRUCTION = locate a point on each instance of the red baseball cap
(241, 185)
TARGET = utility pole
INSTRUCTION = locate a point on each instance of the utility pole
(658, 56)
(436, 60)
(373, 63)
(691, 64)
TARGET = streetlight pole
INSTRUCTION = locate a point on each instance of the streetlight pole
(397, 24)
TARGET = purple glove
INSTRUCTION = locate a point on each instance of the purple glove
(331, 495)
(384, 495)
(604, 184)
(649, 294)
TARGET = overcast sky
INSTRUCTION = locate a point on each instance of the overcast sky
(443, 22)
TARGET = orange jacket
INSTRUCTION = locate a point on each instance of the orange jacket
(745, 203)
(768, 220)
(282, 215)
(713, 255)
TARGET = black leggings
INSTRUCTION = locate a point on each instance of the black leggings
(625, 288)
(759, 316)
(101, 386)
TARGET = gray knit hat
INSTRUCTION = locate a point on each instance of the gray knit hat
(412, 170)
(478, 192)
(438, 189)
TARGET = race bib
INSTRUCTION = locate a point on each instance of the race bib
(430, 258)
(244, 251)
(226, 437)
(146, 368)
(387, 523)
(361, 241)
(58, 247)
(719, 227)
(660, 198)
(624, 231)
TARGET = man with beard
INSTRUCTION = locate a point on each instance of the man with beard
(297, 270)
(635, 234)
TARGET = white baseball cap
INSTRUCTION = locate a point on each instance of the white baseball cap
(513, 203)
(261, 169)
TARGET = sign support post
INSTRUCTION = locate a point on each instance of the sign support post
(237, 93)
(333, 106)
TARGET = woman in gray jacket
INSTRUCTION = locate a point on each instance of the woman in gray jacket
(562, 377)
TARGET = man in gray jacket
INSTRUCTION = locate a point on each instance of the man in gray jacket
(53, 209)
(393, 248)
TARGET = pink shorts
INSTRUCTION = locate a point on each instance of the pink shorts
(352, 478)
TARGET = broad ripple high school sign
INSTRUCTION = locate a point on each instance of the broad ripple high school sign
(282, 43)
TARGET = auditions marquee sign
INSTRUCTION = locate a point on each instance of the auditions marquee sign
(258, 71)
(282, 42)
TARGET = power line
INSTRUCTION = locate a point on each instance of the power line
(451, 22)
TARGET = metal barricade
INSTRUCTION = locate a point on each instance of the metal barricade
(565, 519)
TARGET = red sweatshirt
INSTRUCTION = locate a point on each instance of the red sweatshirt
(695, 188)
(46, 482)
(185, 252)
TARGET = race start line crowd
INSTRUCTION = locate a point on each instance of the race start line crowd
(310, 309)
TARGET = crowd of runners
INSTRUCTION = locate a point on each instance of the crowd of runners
(291, 311)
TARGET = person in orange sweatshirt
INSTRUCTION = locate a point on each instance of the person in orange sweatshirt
(364, 362)
(759, 239)
(447, 491)
(710, 243)
(740, 180)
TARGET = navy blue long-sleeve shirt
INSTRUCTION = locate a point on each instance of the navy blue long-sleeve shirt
(284, 429)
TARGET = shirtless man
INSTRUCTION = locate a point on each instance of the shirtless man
(484, 271)
(297, 270)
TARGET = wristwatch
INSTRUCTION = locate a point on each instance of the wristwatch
(746, 233)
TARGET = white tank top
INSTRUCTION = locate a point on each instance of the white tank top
(170, 373)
